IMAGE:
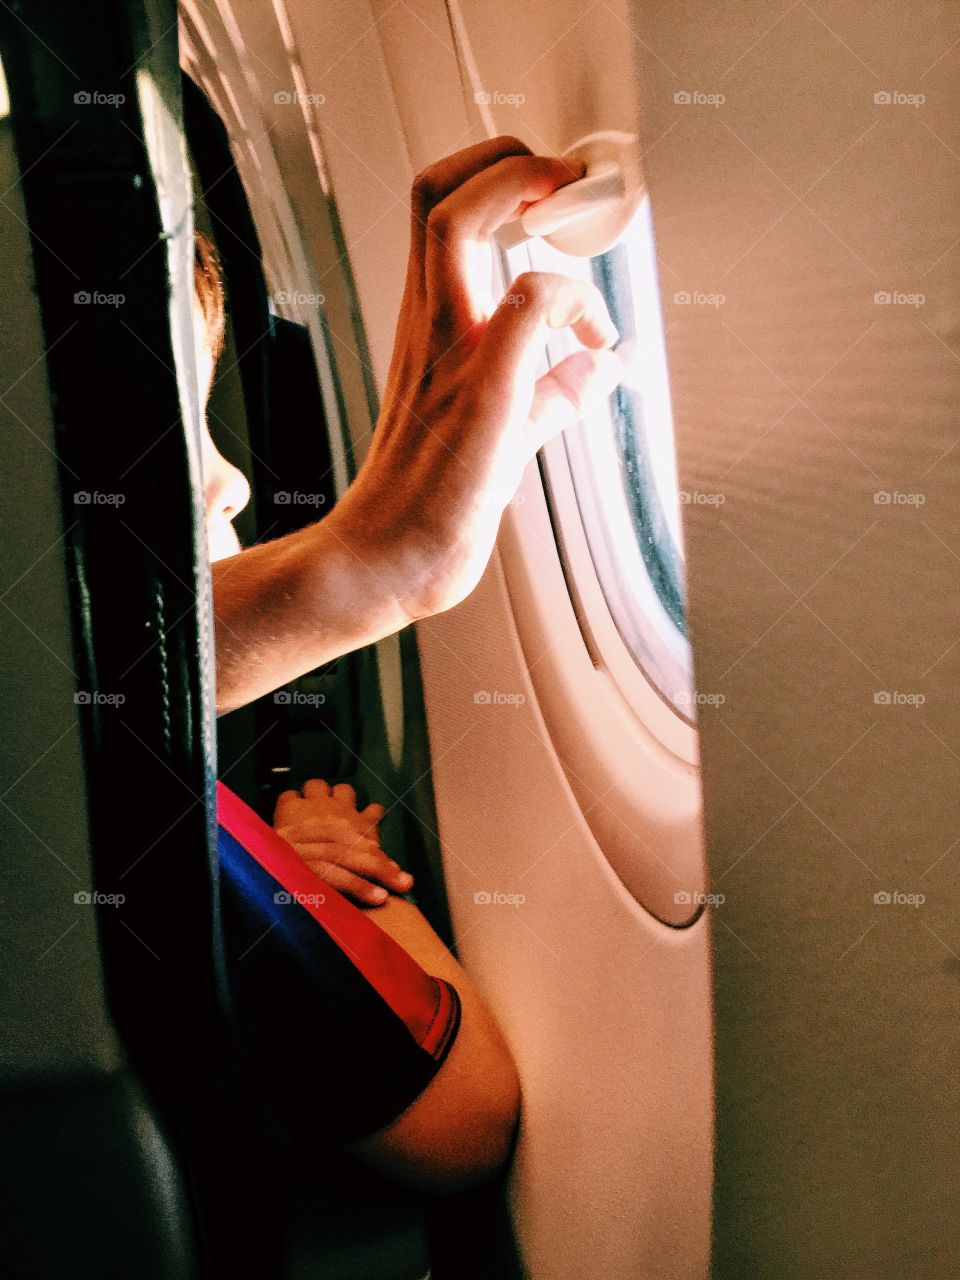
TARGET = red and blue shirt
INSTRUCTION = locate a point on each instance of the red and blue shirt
(330, 1009)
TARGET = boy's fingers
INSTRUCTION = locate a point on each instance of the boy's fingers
(325, 828)
(566, 392)
(429, 188)
(437, 181)
(345, 793)
(472, 213)
(511, 349)
(346, 882)
(535, 302)
(285, 807)
(359, 858)
(374, 812)
(315, 789)
(374, 866)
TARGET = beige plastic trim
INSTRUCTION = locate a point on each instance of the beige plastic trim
(631, 767)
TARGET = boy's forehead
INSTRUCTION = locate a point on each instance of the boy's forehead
(203, 349)
(201, 331)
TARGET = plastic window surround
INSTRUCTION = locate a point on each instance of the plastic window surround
(613, 491)
(632, 762)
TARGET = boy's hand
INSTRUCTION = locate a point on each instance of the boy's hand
(464, 411)
(334, 808)
(339, 843)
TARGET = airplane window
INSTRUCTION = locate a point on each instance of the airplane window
(623, 467)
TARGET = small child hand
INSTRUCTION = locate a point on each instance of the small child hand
(338, 843)
(335, 807)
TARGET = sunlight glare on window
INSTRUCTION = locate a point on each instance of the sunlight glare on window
(623, 464)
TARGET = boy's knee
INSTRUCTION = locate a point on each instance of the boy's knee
(480, 1142)
(460, 1132)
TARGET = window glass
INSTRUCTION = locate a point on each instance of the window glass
(623, 465)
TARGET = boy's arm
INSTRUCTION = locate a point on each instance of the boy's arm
(463, 413)
(286, 607)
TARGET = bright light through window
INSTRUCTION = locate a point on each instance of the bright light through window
(623, 465)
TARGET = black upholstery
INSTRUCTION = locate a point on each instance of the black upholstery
(94, 91)
(129, 1139)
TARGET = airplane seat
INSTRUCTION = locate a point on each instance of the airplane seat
(131, 1139)
(345, 1222)
(121, 1084)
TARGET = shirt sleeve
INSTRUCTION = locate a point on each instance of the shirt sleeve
(342, 1028)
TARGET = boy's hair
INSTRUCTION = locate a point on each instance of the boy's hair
(208, 282)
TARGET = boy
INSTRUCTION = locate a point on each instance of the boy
(463, 413)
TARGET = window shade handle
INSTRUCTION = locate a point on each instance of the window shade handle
(587, 216)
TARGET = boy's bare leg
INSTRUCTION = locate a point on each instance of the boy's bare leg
(460, 1130)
